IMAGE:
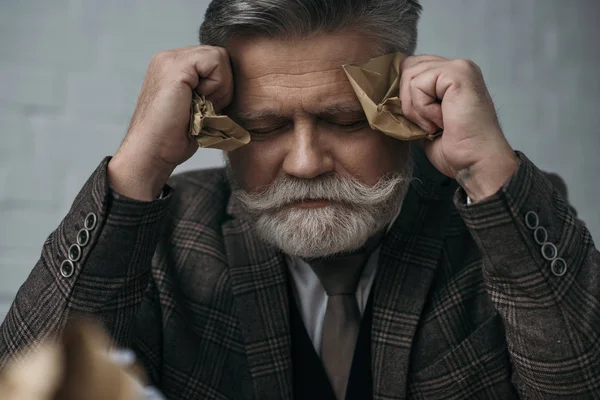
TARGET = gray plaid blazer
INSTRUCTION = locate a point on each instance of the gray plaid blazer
(497, 300)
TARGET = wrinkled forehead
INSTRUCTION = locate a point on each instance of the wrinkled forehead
(278, 73)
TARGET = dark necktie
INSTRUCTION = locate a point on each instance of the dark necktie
(340, 276)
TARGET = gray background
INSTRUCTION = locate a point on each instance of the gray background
(70, 72)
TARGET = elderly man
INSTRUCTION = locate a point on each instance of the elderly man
(327, 260)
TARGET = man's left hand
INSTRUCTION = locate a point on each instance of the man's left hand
(451, 95)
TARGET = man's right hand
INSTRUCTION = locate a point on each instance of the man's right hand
(157, 140)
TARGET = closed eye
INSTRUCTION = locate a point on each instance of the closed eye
(267, 131)
(349, 125)
(263, 131)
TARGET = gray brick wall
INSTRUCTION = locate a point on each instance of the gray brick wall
(70, 72)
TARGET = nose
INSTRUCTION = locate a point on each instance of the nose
(308, 156)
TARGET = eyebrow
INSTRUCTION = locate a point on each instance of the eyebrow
(340, 108)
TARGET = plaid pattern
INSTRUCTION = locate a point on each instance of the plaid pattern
(464, 305)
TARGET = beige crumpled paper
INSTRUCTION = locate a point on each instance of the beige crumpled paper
(75, 366)
(214, 131)
(376, 82)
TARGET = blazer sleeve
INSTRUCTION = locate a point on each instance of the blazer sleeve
(97, 262)
(542, 271)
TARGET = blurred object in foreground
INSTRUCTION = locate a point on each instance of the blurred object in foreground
(76, 366)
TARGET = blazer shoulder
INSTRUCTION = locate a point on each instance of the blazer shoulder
(558, 183)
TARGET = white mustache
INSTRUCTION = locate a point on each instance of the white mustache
(332, 188)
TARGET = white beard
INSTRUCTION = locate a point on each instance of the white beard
(320, 232)
(355, 213)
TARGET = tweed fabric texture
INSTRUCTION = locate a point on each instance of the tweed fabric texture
(464, 304)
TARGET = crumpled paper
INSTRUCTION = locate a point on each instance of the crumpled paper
(376, 83)
(214, 131)
(76, 366)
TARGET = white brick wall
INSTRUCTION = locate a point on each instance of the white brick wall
(70, 72)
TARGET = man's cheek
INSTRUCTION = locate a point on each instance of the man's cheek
(253, 169)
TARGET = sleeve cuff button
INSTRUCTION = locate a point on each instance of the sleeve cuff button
(67, 268)
(74, 252)
(90, 221)
(559, 267)
(83, 237)
(532, 220)
(540, 235)
(549, 251)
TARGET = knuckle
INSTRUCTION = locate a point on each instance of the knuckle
(409, 68)
(413, 84)
(467, 65)
(215, 51)
(163, 58)
(406, 82)
(224, 60)
(222, 52)
(409, 60)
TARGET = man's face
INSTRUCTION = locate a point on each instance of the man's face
(308, 128)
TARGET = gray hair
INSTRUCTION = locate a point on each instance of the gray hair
(392, 23)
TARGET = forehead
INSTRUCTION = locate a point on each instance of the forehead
(287, 74)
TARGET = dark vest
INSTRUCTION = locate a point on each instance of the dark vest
(310, 379)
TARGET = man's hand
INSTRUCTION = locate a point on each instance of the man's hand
(438, 93)
(157, 139)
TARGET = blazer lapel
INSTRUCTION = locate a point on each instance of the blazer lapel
(407, 264)
(260, 293)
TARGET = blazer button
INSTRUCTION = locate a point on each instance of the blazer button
(532, 220)
(74, 252)
(558, 266)
(90, 221)
(83, 237)
(67, 268)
